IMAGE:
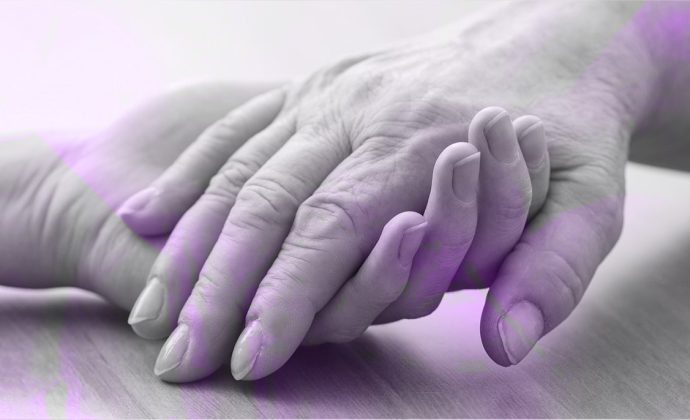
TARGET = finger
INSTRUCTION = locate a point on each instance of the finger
(251, 238)
(176, 270)
(156, 209)
(504, 198)
(545, 276)
(378, 282)
(452, 216)
(333, 232)
(532, 140)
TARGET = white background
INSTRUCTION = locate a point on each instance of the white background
(79, 64)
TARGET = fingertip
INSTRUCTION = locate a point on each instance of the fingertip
(151, 329)
(142, 213)
(482, 121)
(457, 169)
(246, 352)
(403, 221)
(147, 317)
(532, 140)
(271, 336)
(172, 355)
(455, 153)
(130, 211)
(525, 123)
(485, 116)
(519, 330)
(399, 238)
(139, 200)
(491, 130)
(409, 245)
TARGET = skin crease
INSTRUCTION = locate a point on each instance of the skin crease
(97, 173)
(56, 178)
(572, 137)
(72, 188)
(382, 106)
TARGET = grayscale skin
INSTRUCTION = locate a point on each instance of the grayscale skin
(344, 154)
(356, 143)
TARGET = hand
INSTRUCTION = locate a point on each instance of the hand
(58, 195)
(308, 188)
(451, 214)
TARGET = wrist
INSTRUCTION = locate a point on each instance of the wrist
(31, 191)
(589, 53)
(630, 68)
(663, 28)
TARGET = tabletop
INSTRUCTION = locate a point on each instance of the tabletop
(625, 351)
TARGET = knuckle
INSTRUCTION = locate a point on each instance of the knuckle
(227, 127)
(386, 292)
(404, 118)
(326, 215)
(376, 291)
(266, 201)
(346, 333)
(285, 288)
(562, 274)
(513, 210)
(209, 300)
(211, 278)
(511, 204)
(207, 287)
(229, 181)
(447, 253)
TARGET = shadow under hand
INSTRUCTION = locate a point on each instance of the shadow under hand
(623, 352)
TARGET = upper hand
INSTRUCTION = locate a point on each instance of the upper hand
(301, 192)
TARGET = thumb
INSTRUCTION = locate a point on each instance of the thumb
(543, 279)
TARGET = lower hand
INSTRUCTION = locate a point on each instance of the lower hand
(58, 195)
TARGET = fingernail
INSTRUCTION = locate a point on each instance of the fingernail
(500, 136)
(149, 304)
(138, 201)
(409, 244)
(466, 178)
(533, 145)
(173, 351)
(520, 329)
(247, 350)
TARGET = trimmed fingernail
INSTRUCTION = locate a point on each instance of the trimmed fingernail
(138, 201)
(173, 351)
(149, 304)
(533, 144)
(520, 329)
(409, 244)
(466, 178)
(247, 350)
(500, 135)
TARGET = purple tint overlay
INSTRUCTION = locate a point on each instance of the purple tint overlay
(102, 185)
(96, 169)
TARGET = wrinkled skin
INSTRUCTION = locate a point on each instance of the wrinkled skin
(382, 106)
(355, 144)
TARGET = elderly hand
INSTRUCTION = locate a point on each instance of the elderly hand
(449, 221)
(355, 145)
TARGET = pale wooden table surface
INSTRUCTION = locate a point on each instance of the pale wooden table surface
(625, 352)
